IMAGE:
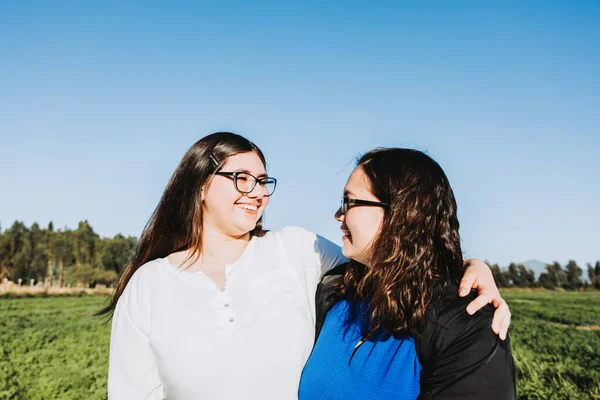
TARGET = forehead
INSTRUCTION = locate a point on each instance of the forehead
(249, 161)
(358, 183)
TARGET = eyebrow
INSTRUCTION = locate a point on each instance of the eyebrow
(264, 175)
(348, 193)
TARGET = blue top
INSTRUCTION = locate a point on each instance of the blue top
(386, 368)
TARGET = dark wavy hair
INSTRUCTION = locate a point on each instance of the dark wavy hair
(176, 223)
(416, 251)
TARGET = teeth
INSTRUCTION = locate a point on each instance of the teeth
(248, 207)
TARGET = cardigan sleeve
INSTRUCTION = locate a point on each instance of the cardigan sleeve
(461, 357)
(132, 370)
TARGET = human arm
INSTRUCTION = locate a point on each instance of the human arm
(132, 371)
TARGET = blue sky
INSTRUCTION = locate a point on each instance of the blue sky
(99, 103)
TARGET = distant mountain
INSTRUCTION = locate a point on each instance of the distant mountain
(537, 266)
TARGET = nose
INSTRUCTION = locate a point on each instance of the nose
(258, 192)
(339, 216)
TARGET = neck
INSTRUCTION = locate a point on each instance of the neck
(220, 248)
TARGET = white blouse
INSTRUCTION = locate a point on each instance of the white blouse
(176, 335)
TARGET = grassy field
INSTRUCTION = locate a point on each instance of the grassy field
(556, 344)
(51, 349)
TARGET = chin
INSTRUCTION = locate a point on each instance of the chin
(353, 255)
(246, 227)
(348, 253)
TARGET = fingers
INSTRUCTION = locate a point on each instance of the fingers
(479, 276)
(505, 325)
(481, 301)
(467, 282)
(500, 315)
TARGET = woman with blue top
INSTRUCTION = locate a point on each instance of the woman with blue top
(390, 322)
(212, 306)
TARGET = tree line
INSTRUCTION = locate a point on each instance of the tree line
(61, 257)
(556, 276)
(79, 257)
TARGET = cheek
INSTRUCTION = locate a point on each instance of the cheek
(215, 209)
(368, 237)
(367, 228)
(265, 202)
(222, 194)
(219, 203)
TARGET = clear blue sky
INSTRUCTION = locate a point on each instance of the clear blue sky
(99, 102)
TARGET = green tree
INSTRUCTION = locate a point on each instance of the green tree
(81, 275)
(107, 277)
(19, 251)
(597, 274)
(84, 243)
(64, 253)
(526, 276)
(499, 277)
(50, 239)
(557, 274)
(574, 273)
(4, 271)
(546, 281)
(39, 252)
(117, 251)
(513, 275)
(51, 255)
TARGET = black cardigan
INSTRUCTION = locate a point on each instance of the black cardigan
(461, 357)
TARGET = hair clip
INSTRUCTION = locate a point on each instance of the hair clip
(214, 160)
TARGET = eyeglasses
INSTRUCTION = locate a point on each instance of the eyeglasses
(245, 182)
(347, 203)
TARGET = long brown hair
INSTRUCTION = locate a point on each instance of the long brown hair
(176, 223)
(417, 249)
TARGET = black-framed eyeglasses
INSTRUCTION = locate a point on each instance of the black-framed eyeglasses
(347, 203)
(245, 182)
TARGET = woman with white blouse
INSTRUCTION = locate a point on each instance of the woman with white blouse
(211, 306)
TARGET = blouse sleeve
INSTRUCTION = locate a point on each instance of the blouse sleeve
(462, 358)
(132, 371)
(314, 251)
(329, 254)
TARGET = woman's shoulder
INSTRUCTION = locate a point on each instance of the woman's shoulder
(149, 272)
(460, 354)
(291, 235)
(292, 231)
(448, 311)
(447, 320)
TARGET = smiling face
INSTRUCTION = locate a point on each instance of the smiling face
(360, 224)
(227, 210)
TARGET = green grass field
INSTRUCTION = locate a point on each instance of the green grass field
(51, 349)
(555, 339)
